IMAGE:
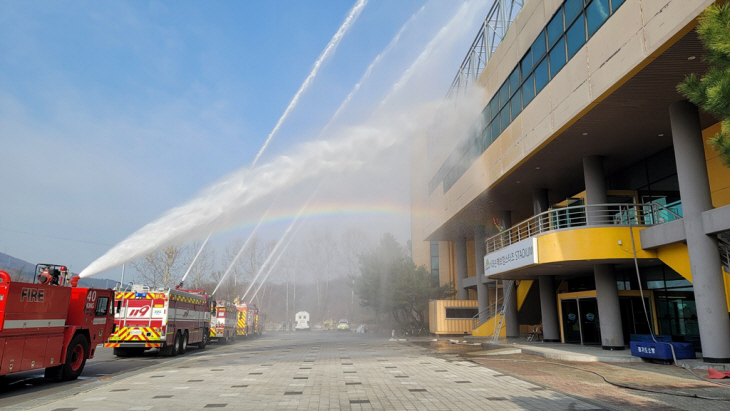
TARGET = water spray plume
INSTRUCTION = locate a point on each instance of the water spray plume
(462, 13)
(278, 243)
(331, 47)
(370, 68)
(234, 199)
(228, 200)
(276, 261)
(243, 247)
(182, 281)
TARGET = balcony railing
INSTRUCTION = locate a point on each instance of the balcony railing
(583, 216)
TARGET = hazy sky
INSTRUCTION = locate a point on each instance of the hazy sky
(113, 112)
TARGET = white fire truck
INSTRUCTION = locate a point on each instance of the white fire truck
(223, 321)
(168, 319)
(51, 323)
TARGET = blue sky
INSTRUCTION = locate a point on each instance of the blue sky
(113, 112)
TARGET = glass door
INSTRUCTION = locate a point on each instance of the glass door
(589, 324)
(571, 324)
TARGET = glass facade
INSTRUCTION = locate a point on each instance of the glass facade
(566, 32)
(435, 262)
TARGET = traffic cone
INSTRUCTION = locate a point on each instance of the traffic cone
(716, 375)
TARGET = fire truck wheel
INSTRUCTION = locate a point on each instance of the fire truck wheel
(184, 343)
(167, 350)
(178, 344)
(76, 355)
(204, 342)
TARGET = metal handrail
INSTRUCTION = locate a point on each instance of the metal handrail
(582, 216)
(499, 18)
(491, 309)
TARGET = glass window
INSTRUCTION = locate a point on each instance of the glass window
(486, 137)
(461, 313)
(541, 76)
(486, 116)
(526, 63)
(503, 94)
(576, 37)
(102, 306)
(514, 81)
(557, 58)
(596, 13)
(504, 118)
(516, 104)
(538, 48)
(528, 91)
(616, 4)
(555, 28)
(572, 10)
(494, 107)
(495, 129)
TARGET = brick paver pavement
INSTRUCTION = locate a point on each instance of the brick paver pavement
(313, 371)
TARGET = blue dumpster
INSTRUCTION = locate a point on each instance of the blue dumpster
(642, 345)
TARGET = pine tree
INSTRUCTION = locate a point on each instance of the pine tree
(711, 92)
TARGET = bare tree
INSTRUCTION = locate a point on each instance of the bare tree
(227, 290)
(262, 297)
(201, 271)
(237, 271)
(162, 268)
(248, 264)
(354, 242)
(320, 253)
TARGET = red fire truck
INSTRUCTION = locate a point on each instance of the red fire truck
(256, 323)
(241, 327)
(248, 320)
(168, 319)
(223, 322)
(51, 323)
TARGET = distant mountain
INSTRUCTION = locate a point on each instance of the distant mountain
(17, 267)
(22, 270)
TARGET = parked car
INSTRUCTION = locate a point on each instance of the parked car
(343, 325)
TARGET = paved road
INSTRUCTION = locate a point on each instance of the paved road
(307, 371)
(20, 387)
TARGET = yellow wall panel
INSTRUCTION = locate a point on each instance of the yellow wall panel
(439, 324)
(522, 291)
(471, 269)
(589, 244)
(717, 172)
(676, 256)
(489, 327)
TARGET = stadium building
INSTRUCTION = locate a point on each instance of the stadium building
(585, 203)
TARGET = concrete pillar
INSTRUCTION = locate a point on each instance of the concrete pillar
(548, 300)
(704, 256)
(609, 313)
(511, 321)
(595, 183)
(461, 270)
(505, 219)
(549, 309)
(480, 250)
(510, 309)
(539, 201)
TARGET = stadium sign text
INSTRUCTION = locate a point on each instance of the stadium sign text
(518, 255)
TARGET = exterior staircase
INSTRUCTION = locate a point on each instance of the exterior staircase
(493, 325)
